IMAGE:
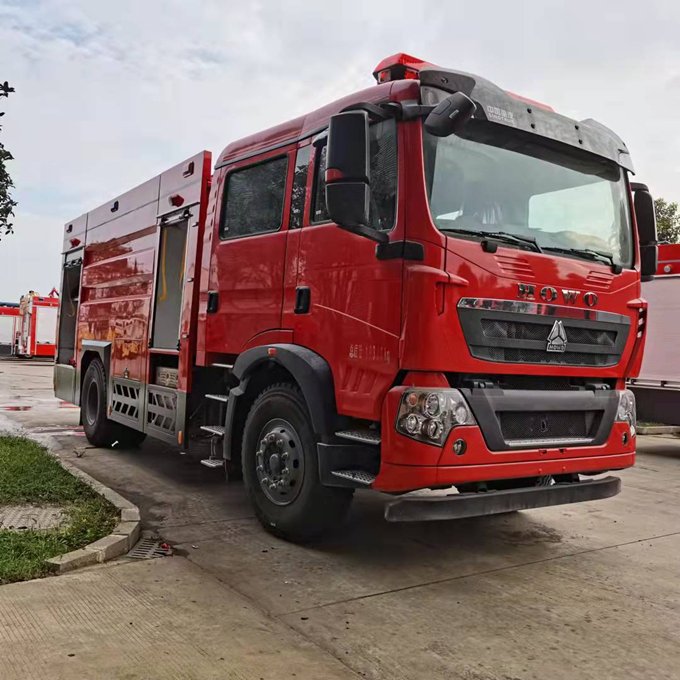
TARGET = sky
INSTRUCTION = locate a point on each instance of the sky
(109, 94)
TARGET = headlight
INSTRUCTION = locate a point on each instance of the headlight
(429, 415)
(625, 413)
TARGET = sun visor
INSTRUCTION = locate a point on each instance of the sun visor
(498, 106)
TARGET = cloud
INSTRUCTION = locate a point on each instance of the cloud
(109, 94)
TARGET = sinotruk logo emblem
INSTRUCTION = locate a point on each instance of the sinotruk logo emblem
(557, 338)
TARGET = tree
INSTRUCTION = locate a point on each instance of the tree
(667, 220)
(6, 203)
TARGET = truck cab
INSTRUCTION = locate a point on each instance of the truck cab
(429, 284)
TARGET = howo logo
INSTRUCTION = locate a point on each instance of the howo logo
(557, 338)
(527, 291)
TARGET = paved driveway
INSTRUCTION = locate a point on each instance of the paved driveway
(586, 591)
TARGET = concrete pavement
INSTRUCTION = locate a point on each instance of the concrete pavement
(585, 591)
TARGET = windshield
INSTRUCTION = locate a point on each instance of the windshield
(494, 179)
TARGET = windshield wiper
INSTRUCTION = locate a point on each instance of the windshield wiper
(499, 236)
(589, 254)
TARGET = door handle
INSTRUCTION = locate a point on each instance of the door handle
(303, 298)
(213, 301)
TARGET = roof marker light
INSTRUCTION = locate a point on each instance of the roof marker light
(399, 66)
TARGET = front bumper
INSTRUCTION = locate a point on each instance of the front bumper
(459, 506)
(406, 464)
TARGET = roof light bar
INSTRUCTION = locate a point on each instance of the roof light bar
(398, 67)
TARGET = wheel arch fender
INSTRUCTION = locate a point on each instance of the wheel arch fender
(308, 369)
(89, 350)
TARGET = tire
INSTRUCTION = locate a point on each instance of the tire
(99, 430)
(279, 448)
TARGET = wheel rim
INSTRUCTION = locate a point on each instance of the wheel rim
(279, 462)
(92, 403)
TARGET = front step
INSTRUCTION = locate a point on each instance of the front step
(213, 462)
(363, 436)
(224, 398)
(358, 476)
(215, 430)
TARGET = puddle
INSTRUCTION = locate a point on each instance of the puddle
(61, 430)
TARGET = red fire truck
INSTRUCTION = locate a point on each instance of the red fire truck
(36, 326)
(657, 388)
(9, 312)
(429, 284)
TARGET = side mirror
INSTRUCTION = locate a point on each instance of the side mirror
(450, 115)
(645, 217)
(348, 175)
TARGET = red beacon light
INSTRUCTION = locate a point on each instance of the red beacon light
(399, 66)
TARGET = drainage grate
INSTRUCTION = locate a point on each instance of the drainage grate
(148, 548)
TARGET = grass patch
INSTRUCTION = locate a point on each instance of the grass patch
(28, 474)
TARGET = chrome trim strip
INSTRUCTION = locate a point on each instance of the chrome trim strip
(519, 307)
(555, 442)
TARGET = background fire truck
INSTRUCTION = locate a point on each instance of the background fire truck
(9, 313)
(36, 326)
(657, 389)
(429, 284)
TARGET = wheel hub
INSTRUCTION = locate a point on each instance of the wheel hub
(279, 462)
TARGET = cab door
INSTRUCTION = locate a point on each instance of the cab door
(245, 289)
(351, 301)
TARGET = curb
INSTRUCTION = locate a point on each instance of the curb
(658, 429)
(125, 534)
(121, 541)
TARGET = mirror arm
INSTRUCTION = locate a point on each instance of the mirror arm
(375, 113)
(413, 111)
(638, 186)
(398, 110)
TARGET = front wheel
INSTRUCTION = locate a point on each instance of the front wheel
(99, 430)
(281, 471)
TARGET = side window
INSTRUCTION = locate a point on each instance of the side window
(297, 203)
(383, 152)
(319, 212)
(254, 199)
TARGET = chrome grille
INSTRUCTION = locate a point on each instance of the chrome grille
(494, 328)
(517, 332)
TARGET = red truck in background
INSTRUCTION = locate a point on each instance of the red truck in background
(431, 283)
(36, 325)
(657, 388)
(9, 312)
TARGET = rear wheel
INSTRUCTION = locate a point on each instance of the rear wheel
(100, 430)
(281, 472)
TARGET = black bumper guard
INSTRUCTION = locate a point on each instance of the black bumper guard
(460, 506)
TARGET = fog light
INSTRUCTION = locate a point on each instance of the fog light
(459, 447)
